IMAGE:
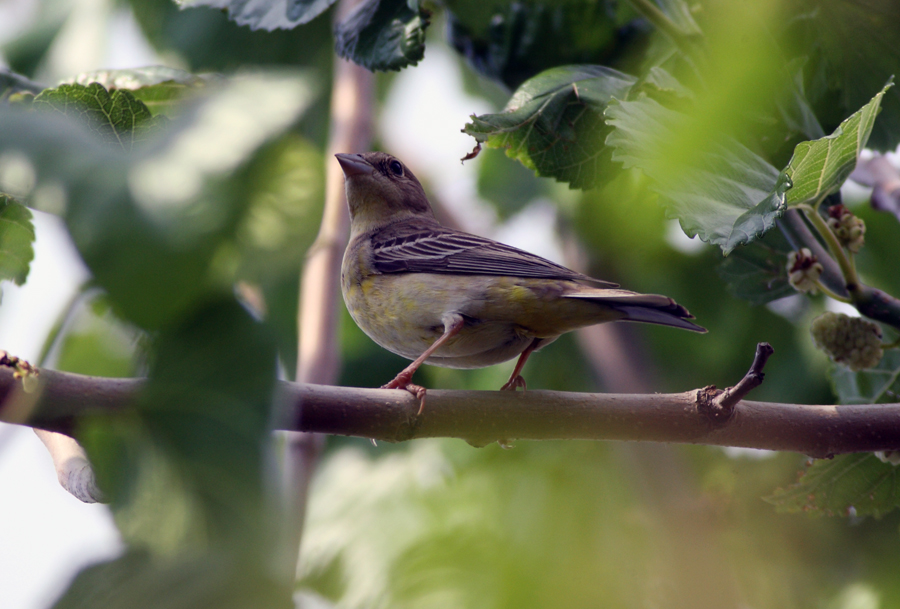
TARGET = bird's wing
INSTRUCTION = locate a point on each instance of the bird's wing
(409, 247)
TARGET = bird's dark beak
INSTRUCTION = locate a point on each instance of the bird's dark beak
(353, 164)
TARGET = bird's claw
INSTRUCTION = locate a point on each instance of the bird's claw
(514, 383)
(403, 382)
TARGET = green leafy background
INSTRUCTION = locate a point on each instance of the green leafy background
(440, 523)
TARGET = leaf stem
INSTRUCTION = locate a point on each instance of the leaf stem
(891, 345)
(848, 270)
(821, 286)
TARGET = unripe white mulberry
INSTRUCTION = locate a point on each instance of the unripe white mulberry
(852, 341)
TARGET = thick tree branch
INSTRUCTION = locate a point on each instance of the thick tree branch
(482, 417)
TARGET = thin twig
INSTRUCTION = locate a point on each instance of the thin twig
(728, 399)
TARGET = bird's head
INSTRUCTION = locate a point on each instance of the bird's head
(381, 190)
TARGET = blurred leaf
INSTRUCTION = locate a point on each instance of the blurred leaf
(833, 486)
(383, 35)
(160, 88)
(208, 581)
(96, 342)
(553, 124)
(16, 240)
(266, 14)
(442, 524)
(207, 404)
(680, 13)
(512, 42)
(726, 195)
(152, 502)
(116, 117)
(206, 40)
(841, 77)
(156, 227)
(757, 272)
(25, 52)
(820, 167)
(12, 83)
(287, 190)
(873, 386)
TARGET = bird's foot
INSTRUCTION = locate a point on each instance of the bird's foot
(404, 381)
(514, 383)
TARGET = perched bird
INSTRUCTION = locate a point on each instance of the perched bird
(448, 298)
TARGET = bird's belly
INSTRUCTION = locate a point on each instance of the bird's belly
(403, 313)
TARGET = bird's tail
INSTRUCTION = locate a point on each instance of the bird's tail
(647, 308)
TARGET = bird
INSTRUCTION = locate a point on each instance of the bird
(441, 296)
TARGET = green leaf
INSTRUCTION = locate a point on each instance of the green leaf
(553, 124)
(512, 42)
(680, 14)
(270, 15)
(819, 168)
(16, 240)
(287, 190)
(208, 41)
(207, 405)
(841, 75)
(723, 192)
(383, 35)
(156, 227)
(95, 342)
(116, 117)
(873, 386)
(860, 482)
(757, 272)
(160, 88)
(138, 580)
(863, 481)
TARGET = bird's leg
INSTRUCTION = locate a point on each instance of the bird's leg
(515, 379)
(452, 325)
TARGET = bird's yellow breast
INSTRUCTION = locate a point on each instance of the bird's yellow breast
(404, 312)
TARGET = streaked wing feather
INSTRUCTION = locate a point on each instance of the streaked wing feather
(432, 248)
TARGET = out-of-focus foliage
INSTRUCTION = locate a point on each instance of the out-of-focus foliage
(264, 15)
(228, 191)
(16, 239)
(512, 42)
(164, 223)
(727, 196)
(841, 76)
(582, 524)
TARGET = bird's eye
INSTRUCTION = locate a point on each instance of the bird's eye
(396, 168)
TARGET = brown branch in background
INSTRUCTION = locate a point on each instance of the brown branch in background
(483, 417)
(318, 358)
